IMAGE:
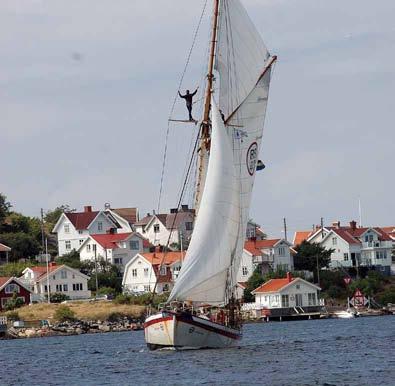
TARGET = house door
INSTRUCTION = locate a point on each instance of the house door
(298, 300)
(353, 259)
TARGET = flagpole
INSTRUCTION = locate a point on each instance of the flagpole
(46, 254)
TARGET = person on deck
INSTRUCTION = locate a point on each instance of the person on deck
(188, 100)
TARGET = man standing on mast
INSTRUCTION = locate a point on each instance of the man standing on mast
(188, 100)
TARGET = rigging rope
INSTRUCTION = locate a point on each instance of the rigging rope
(175, 100)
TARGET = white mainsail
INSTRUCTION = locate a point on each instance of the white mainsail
(243, 64)
(204, 271)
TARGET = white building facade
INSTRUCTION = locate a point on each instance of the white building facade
(145, 269)
(61, 279)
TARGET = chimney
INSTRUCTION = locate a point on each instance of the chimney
(173, 210)
(158, 249)
(153, 211)
(336, 224)
(317, 227)
(148, 214)
(107, 206)
(289, 277)
(184, 208)
(87, 209)
(353, 225)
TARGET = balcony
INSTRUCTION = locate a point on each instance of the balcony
(376, 244)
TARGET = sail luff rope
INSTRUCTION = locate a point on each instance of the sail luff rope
(175, 100)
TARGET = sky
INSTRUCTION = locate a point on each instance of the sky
(86, 88)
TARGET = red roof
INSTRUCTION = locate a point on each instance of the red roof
(250, 247)
(301, 236)
(351, 235)
(346, 235)
(4, 280)
(129, 214)
(273, 285)
(169, 257)
(81, 220)
(41, 270)
(4, 248)
(109, 241)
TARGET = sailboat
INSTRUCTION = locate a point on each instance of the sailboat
(202, 310)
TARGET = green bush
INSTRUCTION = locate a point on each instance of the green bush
(58, 297)
(13, 315)
(15, 302)
(106, 291)
(64, 314)
(115, 317)
(387, 296)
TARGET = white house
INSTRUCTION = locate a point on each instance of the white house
(143, 270)
(270, 255)
(177, 225)
(62, 279)
(355, 247)
(286, 293)
(115, 248)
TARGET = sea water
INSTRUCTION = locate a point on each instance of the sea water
(312, 352)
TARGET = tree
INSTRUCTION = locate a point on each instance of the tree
(23, 245)
(4, 208)
(72, 259)
(307, 255)
(253, 282)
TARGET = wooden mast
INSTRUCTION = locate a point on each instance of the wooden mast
(205, 126)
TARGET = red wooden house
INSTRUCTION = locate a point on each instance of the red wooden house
(9, 286)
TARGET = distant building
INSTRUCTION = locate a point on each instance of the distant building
(73, 228)
(10, 286)
(61, 278)
(144, 269)
(4, 253)
(254, 231)
(356, 246)
(284, 297)
(175, 227)
(115, 248)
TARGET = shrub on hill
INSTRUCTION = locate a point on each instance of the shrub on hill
(64, 314)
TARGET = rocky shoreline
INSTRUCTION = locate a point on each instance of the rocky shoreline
(73, 328)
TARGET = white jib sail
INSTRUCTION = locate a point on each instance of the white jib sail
(204, 272)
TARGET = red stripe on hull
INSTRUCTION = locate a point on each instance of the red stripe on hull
(181, 318)
(159, 320)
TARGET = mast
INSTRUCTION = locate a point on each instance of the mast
(205, 126)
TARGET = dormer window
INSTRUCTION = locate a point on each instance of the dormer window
(334, 241)
(156, 228)
(99, 226)
(281, 251)
(66, 228)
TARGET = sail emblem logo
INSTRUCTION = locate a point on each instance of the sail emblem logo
(252, 158)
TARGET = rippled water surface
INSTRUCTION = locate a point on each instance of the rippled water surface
(319, 352)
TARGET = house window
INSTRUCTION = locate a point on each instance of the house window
(245, 271)
(145, 272)
(281, 251)
(380, 255)
(297, 286)
(63, 274)
(284, 301)
(54, 277)
(12, 288)
(156, 228)
(147, 288)
(118, 261)
(80, 232)
(189, 226)
(165, 288)
(81, 241)
(66, 228)
(134, 272)
(59, 287)
(345, 256)
(68, 245)
(88, 248)
(65, 287)
(77, 287)
(46, 288)
(311, 297)
(334, 241)
(99, 226)
(134, 244)
(163, 270)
